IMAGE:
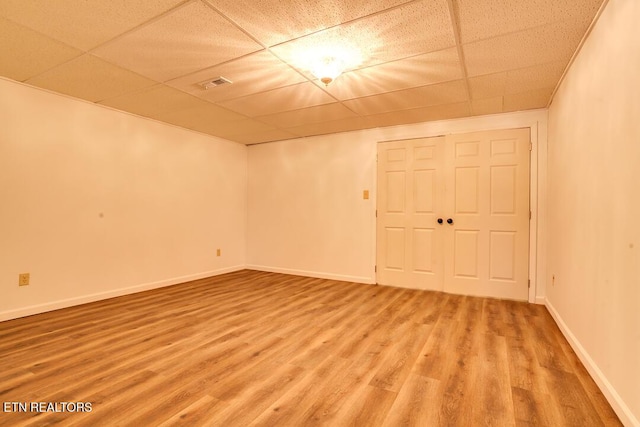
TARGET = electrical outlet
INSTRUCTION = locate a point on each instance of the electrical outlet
(365, 194)
(218, 252)
(23, 279)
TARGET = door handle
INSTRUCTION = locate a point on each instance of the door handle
(440, 221)
(449, 220)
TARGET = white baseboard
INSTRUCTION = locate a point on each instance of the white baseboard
(84, 299)
(621, 409)
(540, 300)
(316, 274)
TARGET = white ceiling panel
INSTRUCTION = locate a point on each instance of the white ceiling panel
(287, 98)
(90, 78)
(276, 21)
(419, 70)
(541, 45)
(83, 24)
(396, 34)
(153, 101)
(442, 93)
(185, 40)
(31, 52)
(254, 73)
(304, 116)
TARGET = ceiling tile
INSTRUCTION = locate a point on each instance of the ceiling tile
(234, 130)
(550, 43)
(205, 118)
(262, 136)
(527, 100)
(412, 29)
(335, 126)
(189, 38)
(536, 77)
(250, 74)
(417, 115)
(81, 23)
(321, 113)
(420, 70)
(276, 21)
(243, 126)
(154, 101)
(442, 93)
(486, 106)
(515, 81)
(484, 19)
(31, 53)
(488, 85)
(278, 100)
(90, 78)
(580, 10)
(441, 112)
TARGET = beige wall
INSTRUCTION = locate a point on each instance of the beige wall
(594, 205)
(96, 203)
(306, 214)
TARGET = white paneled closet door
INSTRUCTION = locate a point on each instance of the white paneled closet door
(453, 213)
(410, 193)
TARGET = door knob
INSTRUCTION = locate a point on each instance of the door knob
(440, 221)
(449, 220)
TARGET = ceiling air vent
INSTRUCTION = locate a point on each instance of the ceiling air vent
(218, 81)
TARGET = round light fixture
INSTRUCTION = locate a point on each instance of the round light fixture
(327, 68)
(325, 60)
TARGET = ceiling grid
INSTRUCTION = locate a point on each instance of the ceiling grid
(421, 60)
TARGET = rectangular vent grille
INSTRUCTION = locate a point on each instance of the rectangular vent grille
(218, 81)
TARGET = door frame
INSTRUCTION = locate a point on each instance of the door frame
(536, 121)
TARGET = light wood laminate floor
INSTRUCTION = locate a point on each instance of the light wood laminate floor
(265, 349)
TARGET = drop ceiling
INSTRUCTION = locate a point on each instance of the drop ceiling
(421, 60)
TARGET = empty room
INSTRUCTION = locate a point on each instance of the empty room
(336, 213)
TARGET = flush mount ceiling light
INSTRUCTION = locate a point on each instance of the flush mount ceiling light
(326, 60)
(327, 68)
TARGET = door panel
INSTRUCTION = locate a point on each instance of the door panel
(503, 190)
(422, 251)
(466, 254)
(424, 191)
(396, 190)
(467, 190)
(395, 241)
(503, 251)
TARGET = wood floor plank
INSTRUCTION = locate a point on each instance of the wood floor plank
(525, 371)
(572, 399)
(533, 409)
(292, 407)
(372, 408)
(255, 400)
(414, 404)
(401, 357)
(493, 318)
(257, 348)
(199, 413)
(493, 395)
